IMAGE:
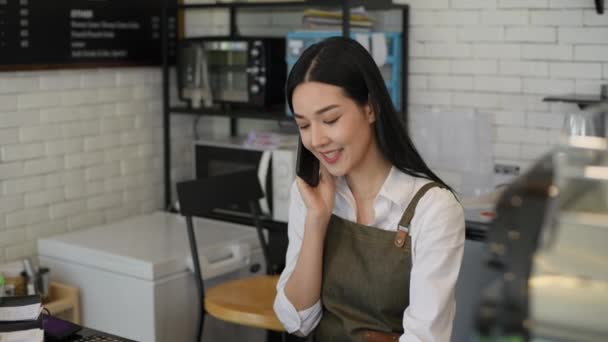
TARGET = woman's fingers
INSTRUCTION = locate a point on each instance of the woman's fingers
(324, 175)
(302, 185)
(318, 199)
(328, 181)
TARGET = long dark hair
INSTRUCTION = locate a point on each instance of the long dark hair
(344, 63)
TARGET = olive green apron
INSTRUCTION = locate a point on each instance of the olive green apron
(366, 278)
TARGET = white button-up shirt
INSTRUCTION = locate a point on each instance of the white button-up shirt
(437, 237)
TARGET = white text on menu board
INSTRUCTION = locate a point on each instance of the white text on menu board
(83, 26)
(23, 32)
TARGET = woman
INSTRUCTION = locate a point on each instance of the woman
(360, 265)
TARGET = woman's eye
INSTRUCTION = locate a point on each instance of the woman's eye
(329, 122)
(303, 126)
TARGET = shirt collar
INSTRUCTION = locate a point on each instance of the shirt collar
(342, 188)
(397, 187)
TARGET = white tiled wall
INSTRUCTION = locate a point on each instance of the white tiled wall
(502, 57)
(79, 148)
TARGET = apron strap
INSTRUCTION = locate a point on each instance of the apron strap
(406, 219)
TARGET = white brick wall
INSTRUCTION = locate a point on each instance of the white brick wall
(518, 68)
(520, 51)
(530, 34)
(468, 4)
(505, 17)
(73, 146)
(546, 52)
(523, 3)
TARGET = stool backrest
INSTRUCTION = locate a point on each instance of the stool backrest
(197, 198)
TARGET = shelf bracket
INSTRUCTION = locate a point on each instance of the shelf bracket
(234, 31)
(345, 18)
(234, 127)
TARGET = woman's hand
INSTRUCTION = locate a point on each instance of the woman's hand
(319, 200)
(303, 288)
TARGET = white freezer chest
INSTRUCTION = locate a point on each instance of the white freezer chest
(134, 278)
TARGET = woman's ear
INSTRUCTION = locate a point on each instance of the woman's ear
(369, 112)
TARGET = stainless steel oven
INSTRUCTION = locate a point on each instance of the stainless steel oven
(244, 71)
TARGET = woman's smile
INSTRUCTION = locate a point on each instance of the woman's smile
(331, 157)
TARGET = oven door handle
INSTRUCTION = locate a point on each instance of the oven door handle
(263, 169)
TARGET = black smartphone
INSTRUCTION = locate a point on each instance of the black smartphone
(307, 165)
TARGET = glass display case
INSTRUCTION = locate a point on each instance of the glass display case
(569, 280)
(547, 254)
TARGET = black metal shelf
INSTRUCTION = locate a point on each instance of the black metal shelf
(278, 114)
(583, 101)
(369, 5)
(244, 5)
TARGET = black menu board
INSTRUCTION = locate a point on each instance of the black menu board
(38, 34)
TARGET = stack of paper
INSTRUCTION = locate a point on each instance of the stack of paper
(20, 319)
(332, 20)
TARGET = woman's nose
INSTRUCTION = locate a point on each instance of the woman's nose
(318, 136)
